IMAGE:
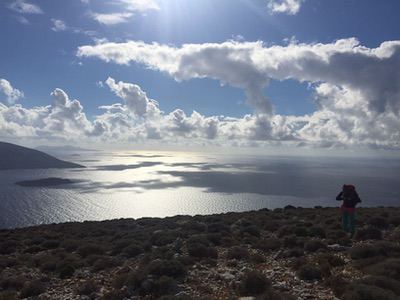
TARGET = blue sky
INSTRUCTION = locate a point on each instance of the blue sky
(36, 57)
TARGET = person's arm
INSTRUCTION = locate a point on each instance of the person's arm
(357, 197)
(340, 196)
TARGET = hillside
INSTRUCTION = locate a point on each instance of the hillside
(284, 254)
(17, 157)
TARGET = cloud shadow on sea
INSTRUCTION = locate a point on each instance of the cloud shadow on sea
(295, 179)
(143, 164)
(263, 183)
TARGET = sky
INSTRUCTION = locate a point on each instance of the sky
(243, 73)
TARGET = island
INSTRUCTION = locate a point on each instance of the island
(17, 157)
(45, 182)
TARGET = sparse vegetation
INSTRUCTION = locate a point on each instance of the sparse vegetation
(155, 258)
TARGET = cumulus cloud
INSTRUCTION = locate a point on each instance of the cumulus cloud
(229, 62)
(64, 118)
(24, 7)
(58, 25)
(11, 94)
(290, 7)
(135, 99)
(357, 89)
(374, 72)
(342, 119)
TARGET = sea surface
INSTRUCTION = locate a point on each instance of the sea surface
(159, 184)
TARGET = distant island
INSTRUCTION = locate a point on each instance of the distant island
(65, 148)
(51, 181)
(17, 157)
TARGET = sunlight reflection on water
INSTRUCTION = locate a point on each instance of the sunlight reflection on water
(159, 184)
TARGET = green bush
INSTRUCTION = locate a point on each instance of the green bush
(389, 268)
(332, 259)
(132, 251)
(254, 283)
(8, 295)
(172, 268)
(378, 222)
(90, 249)
(50, 244)
(201, 251)
(70, 245)
(365, 251)
(87, 287)
(294, 252)
(309, 272)
(66, 271)
(286, 230)
(363, 292)
(395, 221)
(368, 233)
(383, 282)
(337, 284)
(164, 237)
(12, 282)
(8, 246)
(105, 262)
(292, 241)
(238, 252)
(314, 245)
(257, 258)
(269, 244)
(32, 288)
(317, 232)
(33, 249)
(164, 286)
(6, 261)
(116, 294)
(251, 230)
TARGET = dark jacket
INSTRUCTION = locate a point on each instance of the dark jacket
(349, 200)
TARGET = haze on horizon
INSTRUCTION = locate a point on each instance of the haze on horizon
(158, 74)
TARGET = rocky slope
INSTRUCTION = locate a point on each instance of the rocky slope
(291, 253)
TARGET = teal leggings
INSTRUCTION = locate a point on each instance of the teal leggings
(349, 222)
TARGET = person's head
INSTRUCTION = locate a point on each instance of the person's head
(348, 189)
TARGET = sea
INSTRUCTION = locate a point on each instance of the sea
(135, 184)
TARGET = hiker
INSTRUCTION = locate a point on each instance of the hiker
(350, 199)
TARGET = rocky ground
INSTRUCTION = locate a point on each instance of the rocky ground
(290, 253)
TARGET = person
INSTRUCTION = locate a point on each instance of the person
(350, 199)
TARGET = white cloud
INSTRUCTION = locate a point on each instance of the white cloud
(140, 5)
(24, 7)
(343, 119)
(357, 89)
(112, 18)
(58, 25)
(127, 9)
(374, 72)
(135, 99)
(23, 20)
(12, 94)
(290, 7)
